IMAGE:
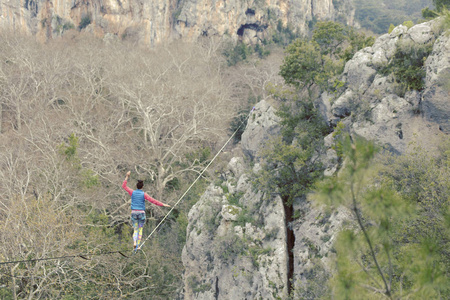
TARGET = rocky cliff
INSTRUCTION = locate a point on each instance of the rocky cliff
(153, 22)
(244, 244)
(375, 106)
(236, 244)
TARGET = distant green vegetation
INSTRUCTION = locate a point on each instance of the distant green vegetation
(441, 4)
(377, 15)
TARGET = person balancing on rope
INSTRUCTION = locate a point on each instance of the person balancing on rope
(138, 198)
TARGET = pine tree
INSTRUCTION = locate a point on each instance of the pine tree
(378, 257)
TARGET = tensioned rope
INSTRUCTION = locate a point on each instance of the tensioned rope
(198, 177)
(82, 255)
(87, 255)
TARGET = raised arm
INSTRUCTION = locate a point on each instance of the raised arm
(124, 184)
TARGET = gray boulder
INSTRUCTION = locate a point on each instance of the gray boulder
(386, 122)
(261, 125)
(436, 107)
(359, 72)
(315, 233)
(381, 86)
(383, 48)
(421, 33)
(414, 98)
(342, 106)
(398, 31)
(323, 105)
(236, 166)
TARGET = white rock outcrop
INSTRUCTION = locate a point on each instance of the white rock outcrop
(236, 238)
(371, 105)
(262, 124)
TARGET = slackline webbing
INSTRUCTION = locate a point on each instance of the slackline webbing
(198, 177)
(87, 255)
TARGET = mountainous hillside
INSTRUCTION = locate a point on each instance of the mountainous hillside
(163, 20)
(246, 242)
(335, 184)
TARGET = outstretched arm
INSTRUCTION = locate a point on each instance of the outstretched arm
(124, 184)
(154, 201)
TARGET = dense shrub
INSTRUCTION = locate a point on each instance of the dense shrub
(85, 21)
(407, 65)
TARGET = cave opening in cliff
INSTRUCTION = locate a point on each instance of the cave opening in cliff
(253, 26)
(290, 240)
(250, 11)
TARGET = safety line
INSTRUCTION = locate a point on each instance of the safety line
(198, 177)
(86, 256)
(83, 256)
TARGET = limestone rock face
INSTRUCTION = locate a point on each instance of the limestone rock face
(249, 20)
(359, 72)
(236, 238)
(155, 21)
(243, 244)
(421, 33)
(235, 251)
(372, 105)
(146, 21)
(342, 106)
(261, 124)
(315, 233)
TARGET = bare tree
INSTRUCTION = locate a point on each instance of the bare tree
(255, 77)
(20, 78)
(80, 117)
(175, 103)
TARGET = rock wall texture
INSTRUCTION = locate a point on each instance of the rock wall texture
(250, 20)
(146, 21)
(237, 239)
(371, 104)
(156, 21)
(237, 244)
